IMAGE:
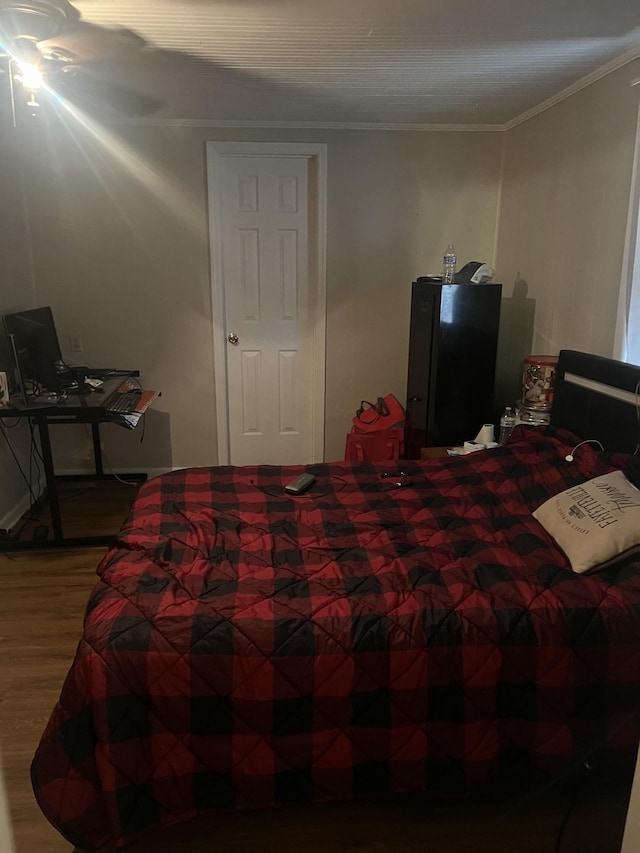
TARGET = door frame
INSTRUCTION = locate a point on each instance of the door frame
(317, 154)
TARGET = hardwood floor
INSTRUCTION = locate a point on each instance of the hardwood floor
(42, 600)
(86, 509)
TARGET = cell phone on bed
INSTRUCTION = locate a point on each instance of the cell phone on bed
(299, 484)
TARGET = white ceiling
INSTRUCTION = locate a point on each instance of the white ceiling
(389, 62)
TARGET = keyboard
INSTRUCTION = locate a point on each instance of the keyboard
(124, 402)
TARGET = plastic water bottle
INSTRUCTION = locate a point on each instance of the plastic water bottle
(507, 423)
(449, 265)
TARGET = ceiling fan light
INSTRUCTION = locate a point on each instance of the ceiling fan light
(30, 76)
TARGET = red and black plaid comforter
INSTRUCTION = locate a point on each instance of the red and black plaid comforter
(243, 647)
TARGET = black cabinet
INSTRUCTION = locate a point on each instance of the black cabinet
(452, 362)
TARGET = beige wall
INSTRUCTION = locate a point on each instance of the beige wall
(565, 197)
(121, 253)
(117, 237)
(16, 290)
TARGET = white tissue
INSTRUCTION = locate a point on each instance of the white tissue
(471, 446)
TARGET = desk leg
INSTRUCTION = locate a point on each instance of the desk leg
(97, 449)
(52, 487)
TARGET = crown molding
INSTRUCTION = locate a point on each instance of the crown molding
(311, 125)
(580, 84)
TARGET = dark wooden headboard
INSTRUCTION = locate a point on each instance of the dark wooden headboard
(598, 398)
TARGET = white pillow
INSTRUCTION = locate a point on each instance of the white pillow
(596, 523)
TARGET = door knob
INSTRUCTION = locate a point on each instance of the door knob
(232, 338)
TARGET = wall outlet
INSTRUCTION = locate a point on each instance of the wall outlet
(75, 343)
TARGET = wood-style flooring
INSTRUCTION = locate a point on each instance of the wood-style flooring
(42, 600)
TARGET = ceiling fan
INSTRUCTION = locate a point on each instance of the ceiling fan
(45, 42)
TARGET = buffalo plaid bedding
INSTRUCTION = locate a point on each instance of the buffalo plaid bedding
(244, 647)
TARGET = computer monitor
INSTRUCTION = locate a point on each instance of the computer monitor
(36, 347)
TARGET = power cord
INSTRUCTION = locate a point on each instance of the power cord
(317, 490)
(17, 461)
(569, 456)
(34, 446)
(118, 478)
(110, 466)
(29, 516)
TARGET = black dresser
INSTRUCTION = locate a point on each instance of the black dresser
(452, 362)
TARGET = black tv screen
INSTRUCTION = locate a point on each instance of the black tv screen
(36, 346)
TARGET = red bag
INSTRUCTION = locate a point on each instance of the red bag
(374, 446)
(387, 413)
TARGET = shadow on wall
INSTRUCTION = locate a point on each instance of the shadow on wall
(517, 315)
(146, 448)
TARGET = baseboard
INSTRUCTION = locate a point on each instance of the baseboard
(120, 472)
(11, 518)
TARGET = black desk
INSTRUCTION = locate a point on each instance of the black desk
(76, 409)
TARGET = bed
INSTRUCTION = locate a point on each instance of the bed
(243, 647)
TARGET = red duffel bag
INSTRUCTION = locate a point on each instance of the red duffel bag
(386, 413)
(374, 446)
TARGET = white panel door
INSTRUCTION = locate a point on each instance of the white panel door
(270, 308)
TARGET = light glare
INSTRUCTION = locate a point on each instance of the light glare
(31, 77)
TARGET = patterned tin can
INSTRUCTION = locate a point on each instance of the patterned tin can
(538, 380)
(531, 416)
